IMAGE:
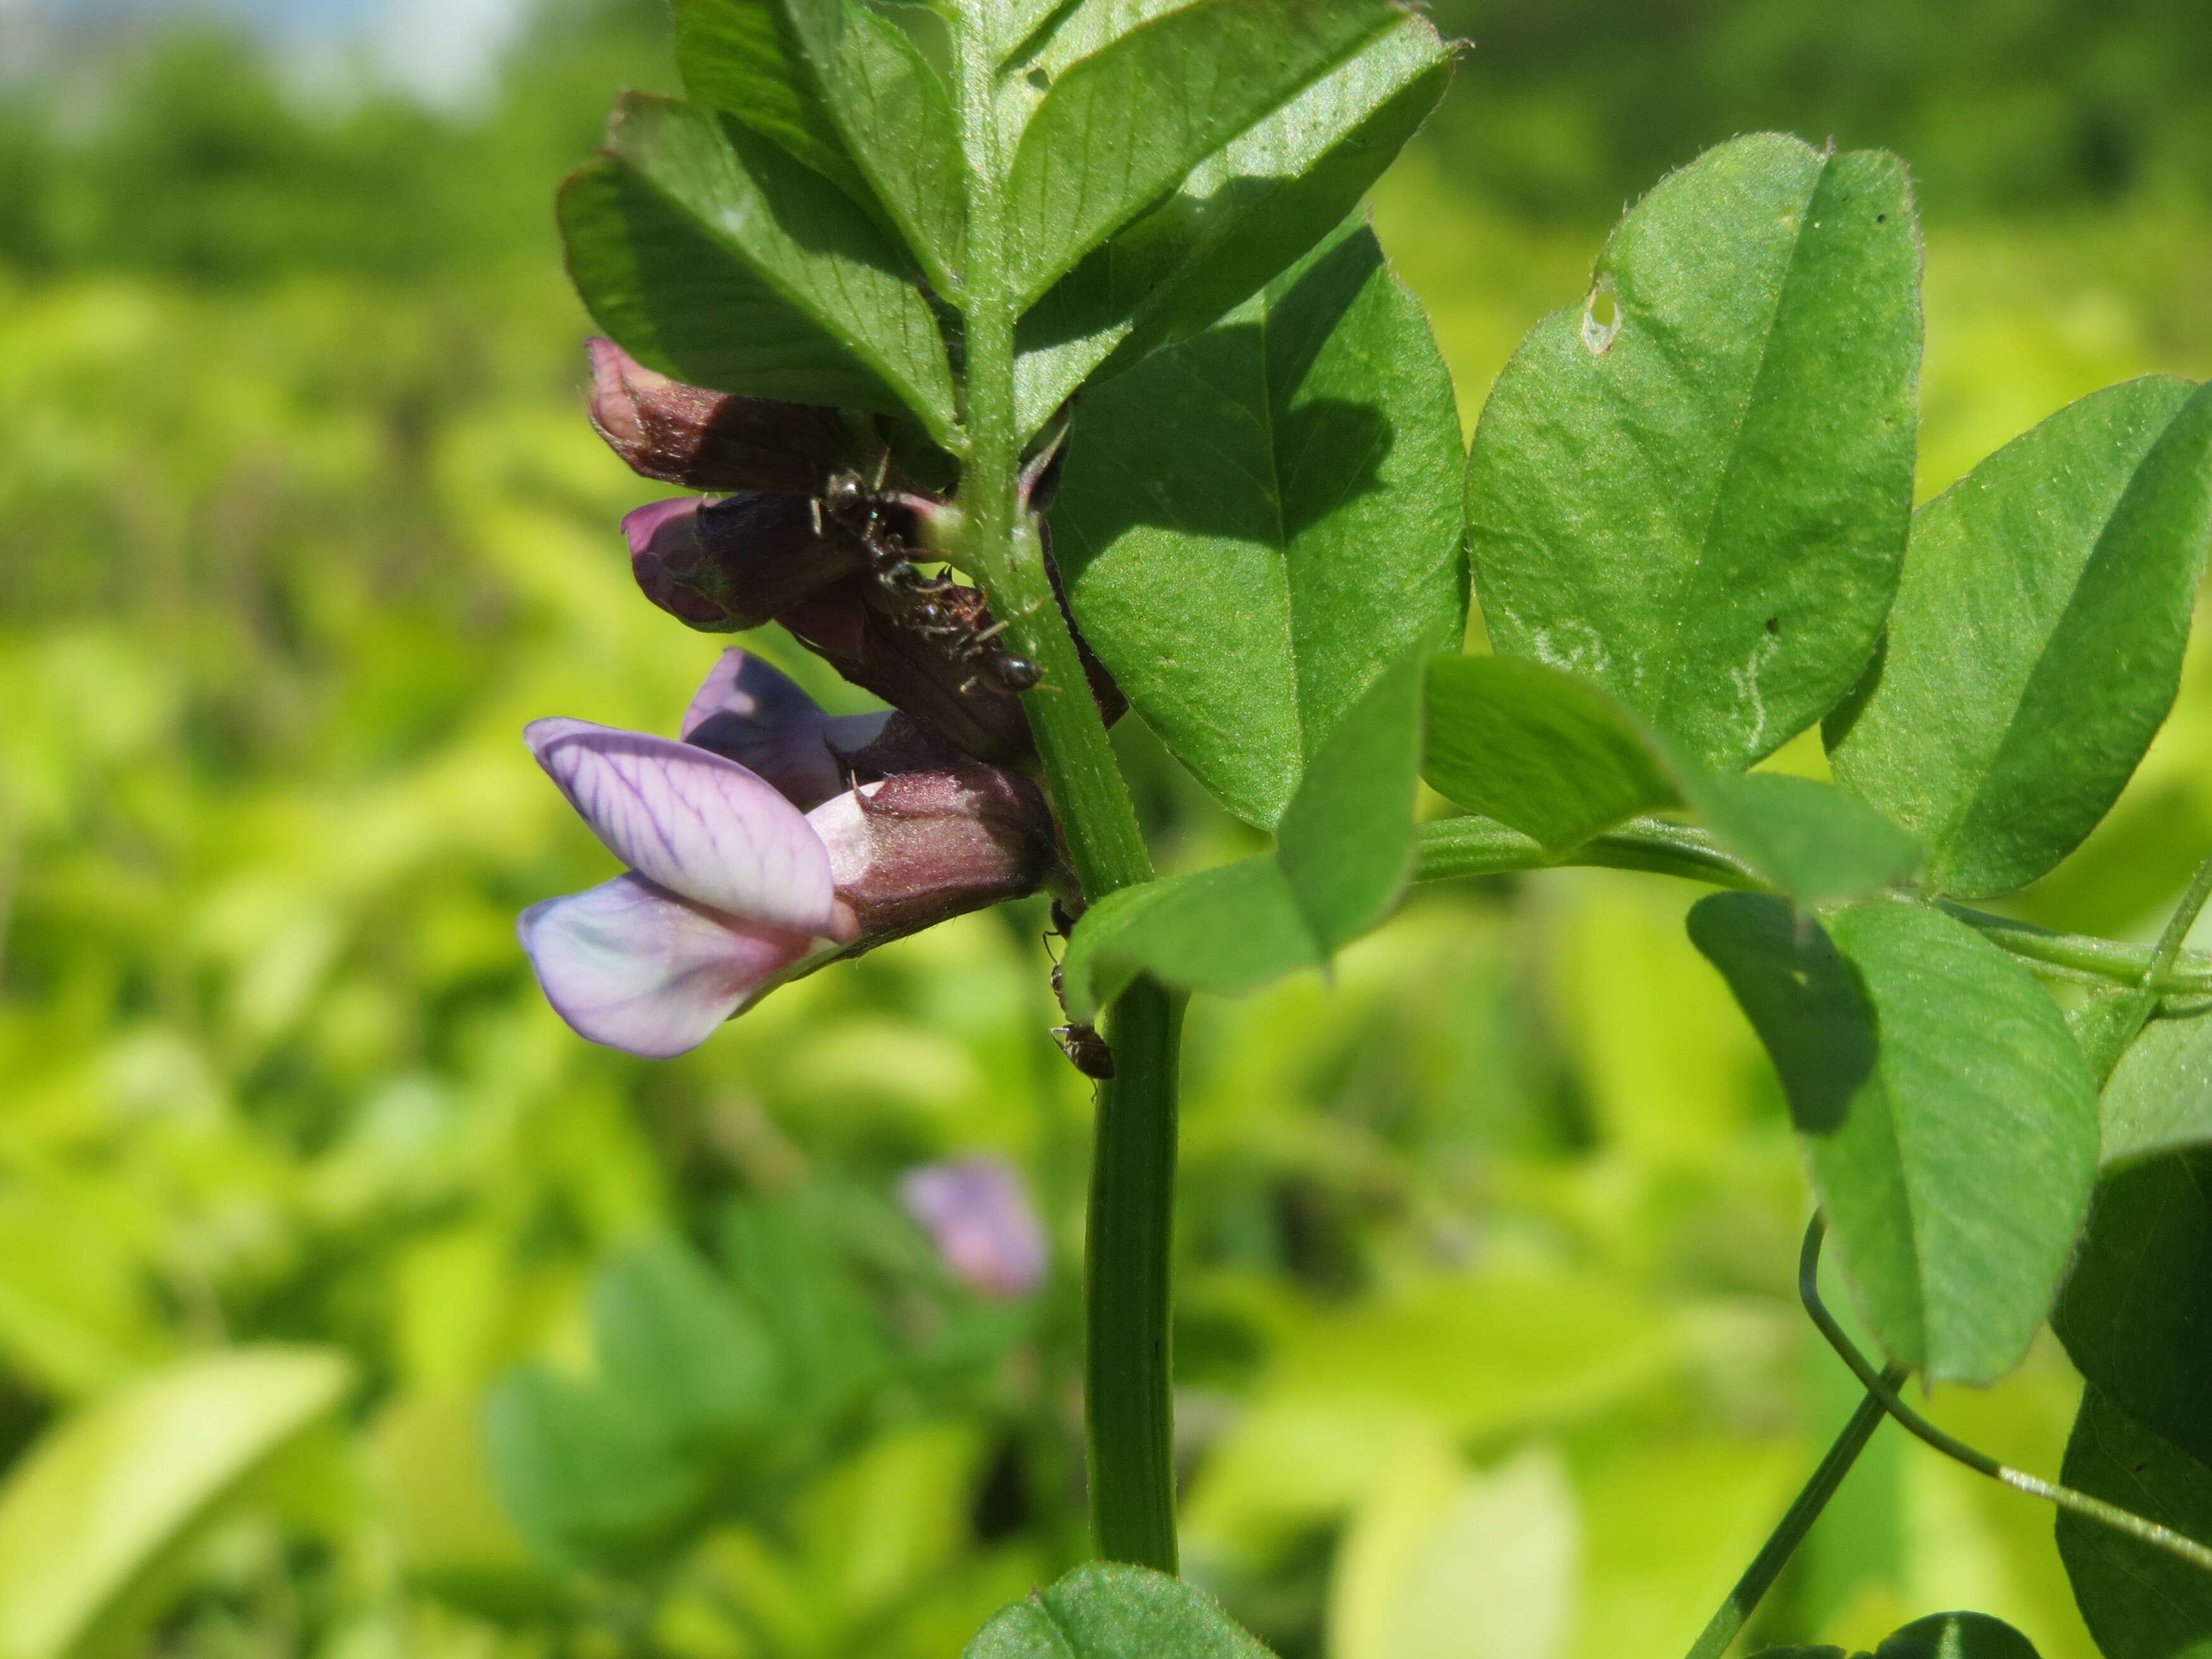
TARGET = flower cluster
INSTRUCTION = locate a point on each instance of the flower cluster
(768, 837)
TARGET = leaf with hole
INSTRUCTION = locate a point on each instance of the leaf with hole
(2037, 639)
(710, 254)
(2136, 1314)
(1948, 1118)
(1106, 1610)
(94, 1517)
(1700, 503)
(1120, 129)
(1242, 216)
(2138, 1602)
(1255, 524)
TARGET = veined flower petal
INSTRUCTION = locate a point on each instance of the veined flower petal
(700, 826)
(636, 968)
(751, 712)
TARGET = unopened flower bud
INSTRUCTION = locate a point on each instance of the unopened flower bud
(716, 440)
(921, 847)
(723, 567)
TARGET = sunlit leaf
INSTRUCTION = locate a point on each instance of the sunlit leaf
(1808, 838)
(1694, 491)
(2136, 1314)
(708, 253)
(2138, 1602)
(100, 1506)
(1255, 523)
(1119, 129)
(2037, 639)
(1949, 1119)
(1242, 217)
(1106, 1610)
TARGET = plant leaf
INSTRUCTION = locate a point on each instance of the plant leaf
(1558, 759)
(842, 89)
(710, 254)
(1808, 838)
(1344, 849)
(1255, 524)
(588, 1477)
(2037, 639)
(1950, 1119)
(1701, 503)
(1955, 1636)
(2160, 1095)
(742, 58)
(674, 1341)
(2136, 1314)
(103, 1502)
(1242, 216)
(1536, 748)
(2105, 1027)
(2137, 1600)
(1119, 128)
(1109, 1610)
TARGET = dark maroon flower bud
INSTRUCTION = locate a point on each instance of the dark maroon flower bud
(928, 674)
(723, 567)
(921, 847)
(687, 435)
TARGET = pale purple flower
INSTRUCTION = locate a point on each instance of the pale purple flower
(978, 1211)
(754, 858)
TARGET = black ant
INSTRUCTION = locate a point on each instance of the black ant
(881, 520)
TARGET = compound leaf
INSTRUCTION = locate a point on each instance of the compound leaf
(2037, 639)
(1255, 524)
(1700, 500)
(1120, 129)
(708, 253)
(1950, 1119)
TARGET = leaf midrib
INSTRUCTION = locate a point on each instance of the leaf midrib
(1687, 588)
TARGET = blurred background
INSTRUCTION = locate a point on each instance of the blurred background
(349, 1306)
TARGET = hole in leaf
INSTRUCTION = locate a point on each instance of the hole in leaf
(1038, 78)
(1600, 318)
(1882, 218)
(1774, 624)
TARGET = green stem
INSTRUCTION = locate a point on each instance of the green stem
(1127, 1374)
(1129, 1405)
(1452, 848)
(1882, 1390)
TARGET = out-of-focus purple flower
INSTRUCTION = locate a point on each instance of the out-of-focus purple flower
(754, 858)
(978, 1211)
(687, 435)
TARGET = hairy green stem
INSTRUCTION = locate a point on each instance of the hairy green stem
(1452, 848)
(1729, 1619)
(1129, 1413)
(1882, 1390)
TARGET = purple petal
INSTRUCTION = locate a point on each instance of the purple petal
(980, 1214)
(750, 712)
(700, 826)
(635, 968)
(639, 526)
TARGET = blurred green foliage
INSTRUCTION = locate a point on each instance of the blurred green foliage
(1485, 1333)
